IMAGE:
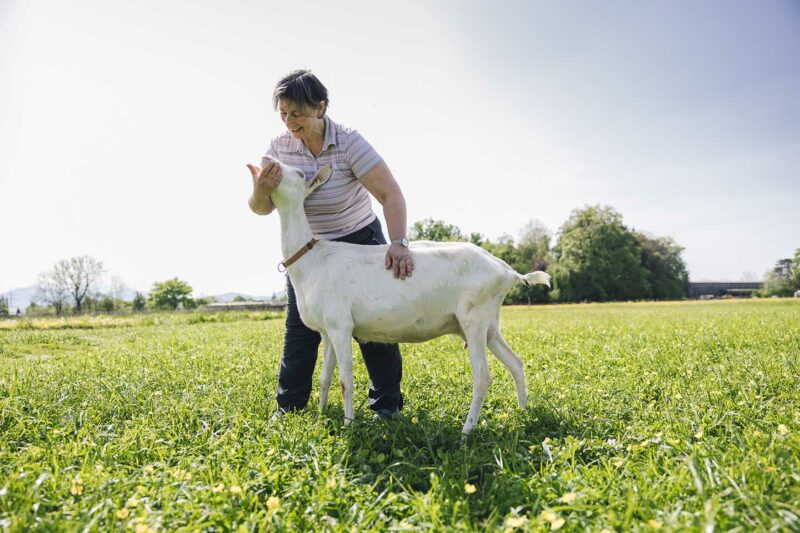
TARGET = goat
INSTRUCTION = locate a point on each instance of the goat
(344, 291)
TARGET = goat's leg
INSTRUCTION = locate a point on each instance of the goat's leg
(326, 373)
(343, 348)
(476, 340)
(500, 348)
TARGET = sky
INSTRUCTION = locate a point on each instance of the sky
(125, 127)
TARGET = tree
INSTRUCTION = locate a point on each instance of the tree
(138, 302)
(598, 259)
(780, 280)
(52, 289)
(75, 277)
(3, 306)
(666, 271)
(171, 293)
(435, 230)
(796, 269)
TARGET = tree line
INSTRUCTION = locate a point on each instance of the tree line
(595, 258)
(592, 257)
(72, 286)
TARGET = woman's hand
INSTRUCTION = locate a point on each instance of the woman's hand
(265, 181)
(399, 259)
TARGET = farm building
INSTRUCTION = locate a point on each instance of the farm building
(718, 289)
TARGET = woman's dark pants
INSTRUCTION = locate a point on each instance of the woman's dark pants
(383, 361)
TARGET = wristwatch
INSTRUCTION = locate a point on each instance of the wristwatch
(402, 242)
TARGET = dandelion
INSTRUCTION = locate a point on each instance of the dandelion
(133, 501)
(782, 429)
(236, 489)
(557, 523)
(516, 521)
(270, 452)
(181, 474)
(122, 513)
(77, 487)
(654, 524)
(141, 489)
(699, 434)
(273, 503)
(548, 516)
(415, 420)
(218, 488)
(149, 469)
(569, 497)
(469, 488)
(618, 461)
(144, 528)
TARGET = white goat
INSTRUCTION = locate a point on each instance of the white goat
(343, 291)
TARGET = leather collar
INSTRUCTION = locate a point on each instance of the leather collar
(287, 263)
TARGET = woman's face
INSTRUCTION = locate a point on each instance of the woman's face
(301, 121)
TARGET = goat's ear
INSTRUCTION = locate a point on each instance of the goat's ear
(319, 178)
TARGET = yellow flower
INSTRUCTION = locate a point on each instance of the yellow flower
(516, 521)
(132, 502)
(618, 461)
(469, 488)
(123, 513)
(218, 488)
(782, 429)
(699, 434)
(548, 516)
(273, 502)
(654, 524)
(415, 420)
(143, 528)
(557, 523)
(604, 530)
(181, 474)
(149, 469)
(569, 497)
(236, 489)
(141, 489)
(76, 489)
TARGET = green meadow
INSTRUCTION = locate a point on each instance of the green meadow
(641, 417)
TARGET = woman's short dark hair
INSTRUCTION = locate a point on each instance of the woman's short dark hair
(302, 88)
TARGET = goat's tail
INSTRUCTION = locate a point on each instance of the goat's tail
(535, 278)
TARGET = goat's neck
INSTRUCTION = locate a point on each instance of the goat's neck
(295, 230)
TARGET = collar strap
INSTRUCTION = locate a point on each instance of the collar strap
(286, 264)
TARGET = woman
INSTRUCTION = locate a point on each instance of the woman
(339, 210)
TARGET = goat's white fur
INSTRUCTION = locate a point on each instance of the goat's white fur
(344, 290)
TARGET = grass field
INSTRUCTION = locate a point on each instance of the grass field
(672, 416)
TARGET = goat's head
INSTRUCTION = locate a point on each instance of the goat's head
(294, 187)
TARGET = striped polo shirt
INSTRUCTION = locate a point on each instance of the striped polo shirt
(341, 205)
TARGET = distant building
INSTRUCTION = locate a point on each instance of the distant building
(244, 306)
(718, 289)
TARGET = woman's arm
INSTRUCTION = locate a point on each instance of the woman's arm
(382, 185)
